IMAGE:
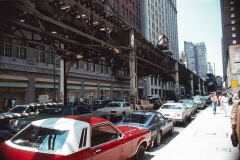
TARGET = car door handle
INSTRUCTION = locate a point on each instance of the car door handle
(98, 150)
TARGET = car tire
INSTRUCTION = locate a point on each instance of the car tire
(122, 116)
(158, 139)
(172, 131)
(140, 153)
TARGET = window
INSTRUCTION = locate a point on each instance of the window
(92, 67)
(41, 54)
(232, 8)
(21, 51)
(5, 49)
(103, 134)
(234, 42)
(233, 34)
(52, 55)
(233, 28)
(41, 138)
(233, 22)
(232, 15)
(83, 139)
(231, 2)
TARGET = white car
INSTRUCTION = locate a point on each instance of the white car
(190, 104)
(179, 112)
(117, 109)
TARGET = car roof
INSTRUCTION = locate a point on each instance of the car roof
(67, 122)
(144, 112)
(170, 103)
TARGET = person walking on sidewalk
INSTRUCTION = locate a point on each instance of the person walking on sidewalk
(235, 118)
(214, 100)
(224, 100)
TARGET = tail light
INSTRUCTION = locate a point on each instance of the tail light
(113, 112)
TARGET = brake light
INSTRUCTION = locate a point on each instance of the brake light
(113, 112)
(141, 107)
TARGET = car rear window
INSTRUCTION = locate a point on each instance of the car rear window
(137, 118)
(41, 138)
(171, 107)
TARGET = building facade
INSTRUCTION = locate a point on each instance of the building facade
(230, 11)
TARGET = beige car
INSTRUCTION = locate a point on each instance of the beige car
(144, 104)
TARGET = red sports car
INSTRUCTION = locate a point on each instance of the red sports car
(76, 138)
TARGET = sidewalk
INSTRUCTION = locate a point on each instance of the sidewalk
(205, 138)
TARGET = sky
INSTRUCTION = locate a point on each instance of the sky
(200, 21)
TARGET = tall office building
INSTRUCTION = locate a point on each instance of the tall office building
(201, 59)
(230, 10)
(160, 18)
(189, 52)
(196, 58)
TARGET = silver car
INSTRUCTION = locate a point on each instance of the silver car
(190, 104)
(179, 112)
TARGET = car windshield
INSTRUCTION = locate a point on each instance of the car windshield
(171, 107)
(18, 109)
(137, 118)
(96, 102)
(114, 105)
(41, 138)
(186, 102)
(51, 111)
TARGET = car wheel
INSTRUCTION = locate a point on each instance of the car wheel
(121, 116)
(172, 131)
(158, 139)
(140, 153)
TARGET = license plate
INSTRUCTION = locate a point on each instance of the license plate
(166, 114)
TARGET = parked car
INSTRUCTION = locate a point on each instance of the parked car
(179, 112)
(75, 137)
(190, 104)
(117, 109)
(200, 101)
(25, 110)
(98, 104)
(144, 104)
(58, 111)
(207, 99)
(157, 102)
(81, 104)
(4, 135)
(150, 120)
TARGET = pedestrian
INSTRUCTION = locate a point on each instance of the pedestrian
(224, 104)
(235, 118)
(214, 100)
(9, 103)
(4, 104)
(13, 102)
(230, 98)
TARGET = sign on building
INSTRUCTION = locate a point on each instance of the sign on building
(234, 83)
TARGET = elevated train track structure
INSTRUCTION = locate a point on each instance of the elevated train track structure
(90, 30)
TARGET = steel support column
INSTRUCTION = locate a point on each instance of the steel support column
(132, 67)
(176, 77)
(192, 86)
